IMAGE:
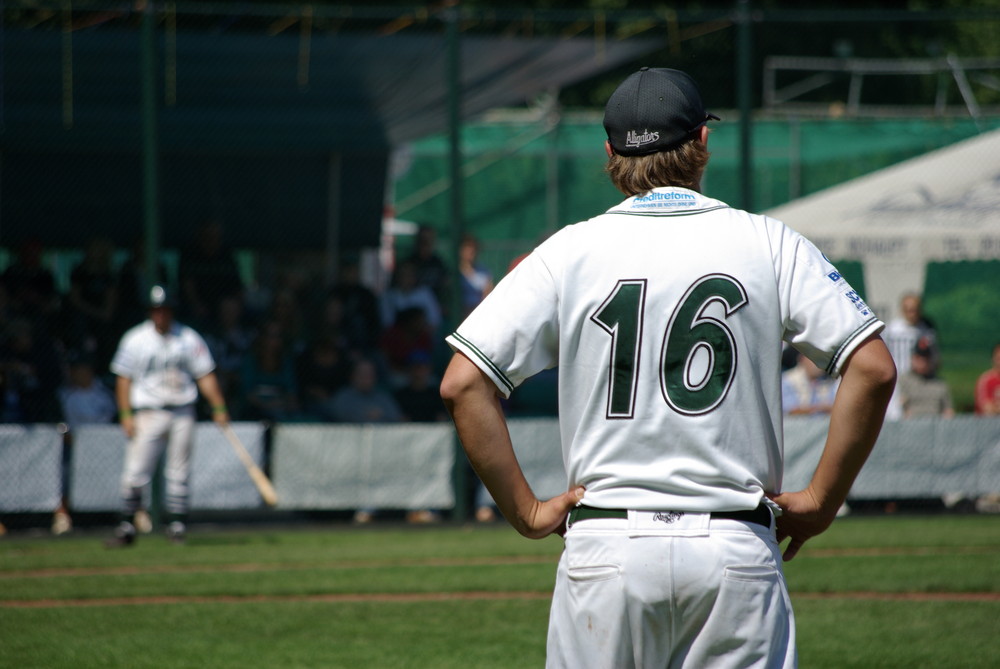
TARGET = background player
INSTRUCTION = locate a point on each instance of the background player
(160, 366)
(666, 316)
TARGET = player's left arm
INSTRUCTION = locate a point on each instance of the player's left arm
(471, 399)
(212, 392)
(867, 382)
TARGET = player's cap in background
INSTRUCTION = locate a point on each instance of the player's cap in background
(654, 109)
(160, 297)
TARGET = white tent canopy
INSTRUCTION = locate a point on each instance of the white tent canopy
(941, 206)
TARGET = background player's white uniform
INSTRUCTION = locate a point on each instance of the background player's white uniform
(668, 349)
(163, 369)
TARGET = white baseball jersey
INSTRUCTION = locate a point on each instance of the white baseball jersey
(163, 368)
(665, 316)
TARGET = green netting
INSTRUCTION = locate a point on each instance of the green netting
(522, 182)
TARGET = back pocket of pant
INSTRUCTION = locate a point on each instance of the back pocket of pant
(751, 572)
(593, 572)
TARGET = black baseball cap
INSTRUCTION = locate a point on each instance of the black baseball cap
(654, 109)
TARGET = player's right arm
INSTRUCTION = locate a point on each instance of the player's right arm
(123, 388)
(471, 398)
(867, 381)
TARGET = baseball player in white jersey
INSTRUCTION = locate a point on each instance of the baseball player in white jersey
(160, 366)
(665, 316)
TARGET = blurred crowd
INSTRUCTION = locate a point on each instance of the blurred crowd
(304, 350)
(301, 350)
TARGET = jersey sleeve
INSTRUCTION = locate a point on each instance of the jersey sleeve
(124, 361)
(200, 360)
(513, 333)
(823, 316)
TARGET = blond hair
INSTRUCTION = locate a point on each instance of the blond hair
(682, 166)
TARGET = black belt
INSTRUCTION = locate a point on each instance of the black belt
(761, 515)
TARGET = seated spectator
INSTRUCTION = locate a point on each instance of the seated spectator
(286, 310)
(431, 269)
(807, 389)
(363, 400)
(988, 388)
(230, 339)
(31, 373)
(268, 378)
(420, 399)
(31, 287)
(359, 317)
(410, 334)
(91, 304)
(921, 392)
(207, 271)
(84, 400)
(406, 293)
(330, 323)
(322, 369)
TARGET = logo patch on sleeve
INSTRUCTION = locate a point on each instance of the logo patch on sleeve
(858, 303)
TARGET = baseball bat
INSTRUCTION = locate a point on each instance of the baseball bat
(264, 486)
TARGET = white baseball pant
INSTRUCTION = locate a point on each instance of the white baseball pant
(657, 590)
(156, 430)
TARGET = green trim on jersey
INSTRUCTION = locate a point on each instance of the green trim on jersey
(489, 363)
(626, 212)
(847, 342)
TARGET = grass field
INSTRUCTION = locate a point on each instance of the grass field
(875, 591)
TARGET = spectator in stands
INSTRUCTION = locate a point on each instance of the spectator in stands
(410, 334)
(331, 324)
(431, 269)
(988, 387)
(901, 336)
(230, 339)
(84, 400)
(807, 389)
(363, 400)
(475, 281)
(420, 400)
(920, 391)
(31, 287)
(360, 320)
(207, 271)
(322, 369)
(268, 378)
(405, 292)
(31, 372)
(92, 302)
(286, 310)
